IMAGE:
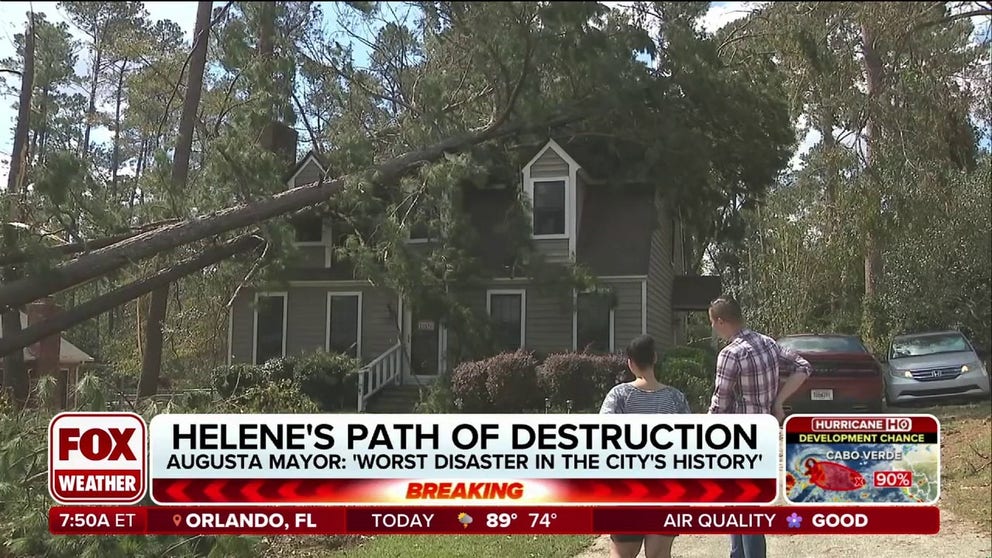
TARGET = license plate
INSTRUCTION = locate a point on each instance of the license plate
(821, 395)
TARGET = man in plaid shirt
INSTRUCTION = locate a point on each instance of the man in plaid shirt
(747, 382)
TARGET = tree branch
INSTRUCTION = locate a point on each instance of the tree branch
(952, 18)
(105, 260)
(100, 304)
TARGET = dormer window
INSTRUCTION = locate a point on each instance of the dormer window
(552, 190)
(549, 207)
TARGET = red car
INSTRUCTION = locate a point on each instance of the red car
(846, 377)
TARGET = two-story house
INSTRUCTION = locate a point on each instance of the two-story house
(629, 239)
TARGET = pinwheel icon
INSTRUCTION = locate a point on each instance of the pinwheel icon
(465, 519)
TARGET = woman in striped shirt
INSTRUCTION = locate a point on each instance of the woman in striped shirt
(644, 395)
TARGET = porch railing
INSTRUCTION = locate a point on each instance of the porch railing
(379, 373)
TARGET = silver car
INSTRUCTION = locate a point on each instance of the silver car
(933, 365)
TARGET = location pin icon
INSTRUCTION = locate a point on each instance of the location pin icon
(177, 519)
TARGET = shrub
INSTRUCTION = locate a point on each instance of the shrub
(279, 369)
(511, 382)
(468, 386)
(281, 396)
(439, 399)
(703, 357)
(24, 512)
(689, 376)
(329, 379)
(236, 378)
(581, 378)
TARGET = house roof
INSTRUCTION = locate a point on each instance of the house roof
(68, 353)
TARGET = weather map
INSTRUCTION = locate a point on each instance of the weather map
(861, 462)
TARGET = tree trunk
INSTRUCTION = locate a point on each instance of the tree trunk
(91, 110)
(116, 158)
(14, 370)
(103, 261)
(100, 304)
(873, 246)
(151, 362)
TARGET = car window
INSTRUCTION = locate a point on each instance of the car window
(813, 344)
(925, 345)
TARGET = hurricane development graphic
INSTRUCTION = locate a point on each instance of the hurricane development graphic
(842, 473)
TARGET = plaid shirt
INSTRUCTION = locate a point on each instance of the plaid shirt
(747, 374)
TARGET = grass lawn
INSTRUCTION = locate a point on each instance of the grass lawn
(965, 460)
(468, 546)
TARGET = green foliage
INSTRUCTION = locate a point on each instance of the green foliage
(691, 377)
(799, 260)
(440, 398)
(24, 498)
(236, 378)
(276, 396)
(583, 379)
(328, 380)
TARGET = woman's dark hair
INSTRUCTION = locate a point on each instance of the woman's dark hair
(641, 351)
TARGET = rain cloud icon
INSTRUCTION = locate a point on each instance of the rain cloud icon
(465, 519)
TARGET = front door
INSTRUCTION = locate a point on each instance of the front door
(426, 342)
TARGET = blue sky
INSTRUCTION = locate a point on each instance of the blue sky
(13, 17)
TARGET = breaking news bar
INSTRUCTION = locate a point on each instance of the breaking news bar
(481, 520)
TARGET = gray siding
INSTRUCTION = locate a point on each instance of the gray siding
(549, 165)
(555, 250)
(306, 321)
(309, 257)
(380, 329)
(660, 276)
(626, 313)
(549, 321)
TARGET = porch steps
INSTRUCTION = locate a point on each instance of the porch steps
(395, 399)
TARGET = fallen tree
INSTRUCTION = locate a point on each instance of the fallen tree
(71, 248)
(103, 303)
(105, 260)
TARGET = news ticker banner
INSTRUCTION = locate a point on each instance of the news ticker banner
(862, 459)
(434, 459)
(287, 459)
(488, 520)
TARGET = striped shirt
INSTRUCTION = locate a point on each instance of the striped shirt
(748, 371)
(627, 399)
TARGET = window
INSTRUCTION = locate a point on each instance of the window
(308, 229)
(549, 208)
(270, 327)
(823, 344)
(344, 323)
(929, 344)
(507, 311)
(594, 322)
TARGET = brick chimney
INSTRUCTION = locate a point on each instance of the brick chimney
(48, 350)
